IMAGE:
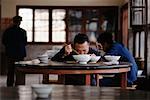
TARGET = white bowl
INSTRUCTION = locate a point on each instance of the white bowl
(42, 90)
(112, 58)
(43, 58)
(94, 59)
(82, 58)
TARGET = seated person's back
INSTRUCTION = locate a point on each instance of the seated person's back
(111, 47)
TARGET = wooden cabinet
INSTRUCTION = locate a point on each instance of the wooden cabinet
(74, 22)
(91, 21)
(139, 25)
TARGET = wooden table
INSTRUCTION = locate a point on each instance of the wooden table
(70, 92)
(61, 68)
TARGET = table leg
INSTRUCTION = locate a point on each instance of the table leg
(88, 80)
(124, 80)
(61, 79)
(20, 78)
(97, 79)
(45, 79)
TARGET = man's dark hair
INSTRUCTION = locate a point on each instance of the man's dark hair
(81, 38)
(105, 37)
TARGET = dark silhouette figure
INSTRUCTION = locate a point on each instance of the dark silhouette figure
(14, 40)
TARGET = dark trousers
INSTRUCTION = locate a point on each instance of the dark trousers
(11, 70)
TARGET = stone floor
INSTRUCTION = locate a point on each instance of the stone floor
(30, 79)
(37, 79)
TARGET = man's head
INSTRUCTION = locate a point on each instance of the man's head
(17, 20)
(81, 43)
(106, 40)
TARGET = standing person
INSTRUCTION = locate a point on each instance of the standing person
(111, 47)
(14, 40)
(81, 45)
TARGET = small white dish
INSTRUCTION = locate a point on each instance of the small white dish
(24, 62)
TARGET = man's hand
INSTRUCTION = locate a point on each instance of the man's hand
(68, 49)
(99, 46)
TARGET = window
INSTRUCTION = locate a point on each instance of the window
(56, 25)
(41, 23)
(27, 23)
(36, 23)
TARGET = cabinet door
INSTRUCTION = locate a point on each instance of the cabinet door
(91, 23)
(100, 20)
(75, 23)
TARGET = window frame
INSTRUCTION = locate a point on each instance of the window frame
(67, 8)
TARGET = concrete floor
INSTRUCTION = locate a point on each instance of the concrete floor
(37, 79)
(30, 79)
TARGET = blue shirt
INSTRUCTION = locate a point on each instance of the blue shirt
(120, 50)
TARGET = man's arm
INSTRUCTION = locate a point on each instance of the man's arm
(59, 56)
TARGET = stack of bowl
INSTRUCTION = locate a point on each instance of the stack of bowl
(43, 58)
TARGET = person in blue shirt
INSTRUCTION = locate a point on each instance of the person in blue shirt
(111, 47)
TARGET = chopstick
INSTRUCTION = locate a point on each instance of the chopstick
(72, 49)
(75, 51)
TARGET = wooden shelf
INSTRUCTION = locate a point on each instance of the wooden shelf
(141, 16)
(138, 7)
